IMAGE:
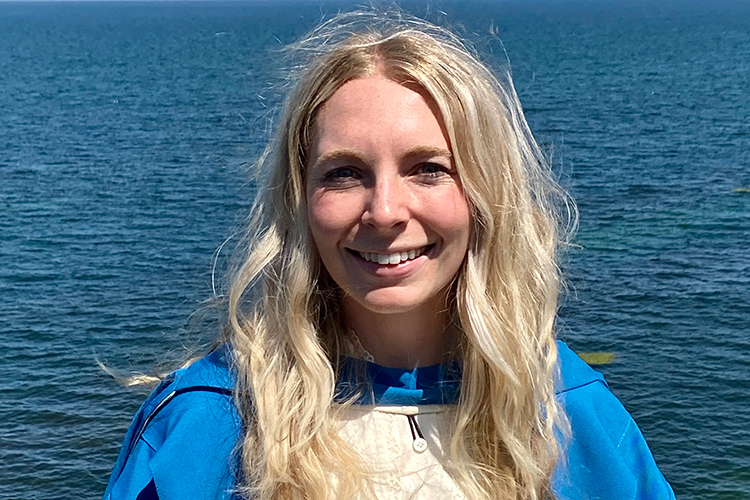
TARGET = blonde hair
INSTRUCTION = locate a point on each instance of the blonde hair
(284, 325)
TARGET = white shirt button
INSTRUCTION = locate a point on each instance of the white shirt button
(419, 445)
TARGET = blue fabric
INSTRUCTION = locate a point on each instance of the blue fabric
(189, 450)
(607, 456)
(438, 384)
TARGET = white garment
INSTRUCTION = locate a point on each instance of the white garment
(384, 438)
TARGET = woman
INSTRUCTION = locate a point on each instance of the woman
(392, 324)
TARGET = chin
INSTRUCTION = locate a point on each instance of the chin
(390, 302)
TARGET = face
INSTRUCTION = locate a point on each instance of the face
(385, 204)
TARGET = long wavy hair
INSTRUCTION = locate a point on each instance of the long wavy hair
(283, 307)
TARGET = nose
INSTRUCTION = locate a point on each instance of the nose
(387, 204)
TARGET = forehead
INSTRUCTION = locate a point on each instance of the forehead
(376, 111)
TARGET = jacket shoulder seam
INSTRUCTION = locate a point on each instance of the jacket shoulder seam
(579, 386)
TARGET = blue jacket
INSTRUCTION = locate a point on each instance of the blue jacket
(183, 442)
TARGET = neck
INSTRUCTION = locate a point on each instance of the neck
(402, 340)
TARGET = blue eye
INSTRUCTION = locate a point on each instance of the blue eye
(341, 177)
(341, 173)
(433, 169)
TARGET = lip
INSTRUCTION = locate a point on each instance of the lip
(400, 256)
(400, 270)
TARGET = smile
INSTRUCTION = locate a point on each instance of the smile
(392, 258)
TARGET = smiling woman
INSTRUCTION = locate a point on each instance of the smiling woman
(389, 217)
(391, 325)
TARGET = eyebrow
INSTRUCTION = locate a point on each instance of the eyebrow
(348, 154)
(339, 154)
(427, 151)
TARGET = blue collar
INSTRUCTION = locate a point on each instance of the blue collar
(370, 383)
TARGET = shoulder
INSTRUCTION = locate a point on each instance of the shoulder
(574, 372)
(183, 440)
(607, 456)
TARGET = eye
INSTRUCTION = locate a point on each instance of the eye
(434, 170)
(340, 174)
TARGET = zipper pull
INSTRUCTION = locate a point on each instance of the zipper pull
(419, 444)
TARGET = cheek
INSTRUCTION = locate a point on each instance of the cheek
(453, 217)
(328, 218)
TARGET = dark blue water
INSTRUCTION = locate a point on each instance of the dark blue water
(124, 129)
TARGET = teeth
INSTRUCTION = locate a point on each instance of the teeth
(393, 258)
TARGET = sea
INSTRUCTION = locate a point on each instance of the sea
(127, 132)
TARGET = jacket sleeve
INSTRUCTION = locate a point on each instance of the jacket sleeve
(607, 456)
(189, 450)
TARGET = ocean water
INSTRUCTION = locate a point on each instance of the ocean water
(124, 133)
